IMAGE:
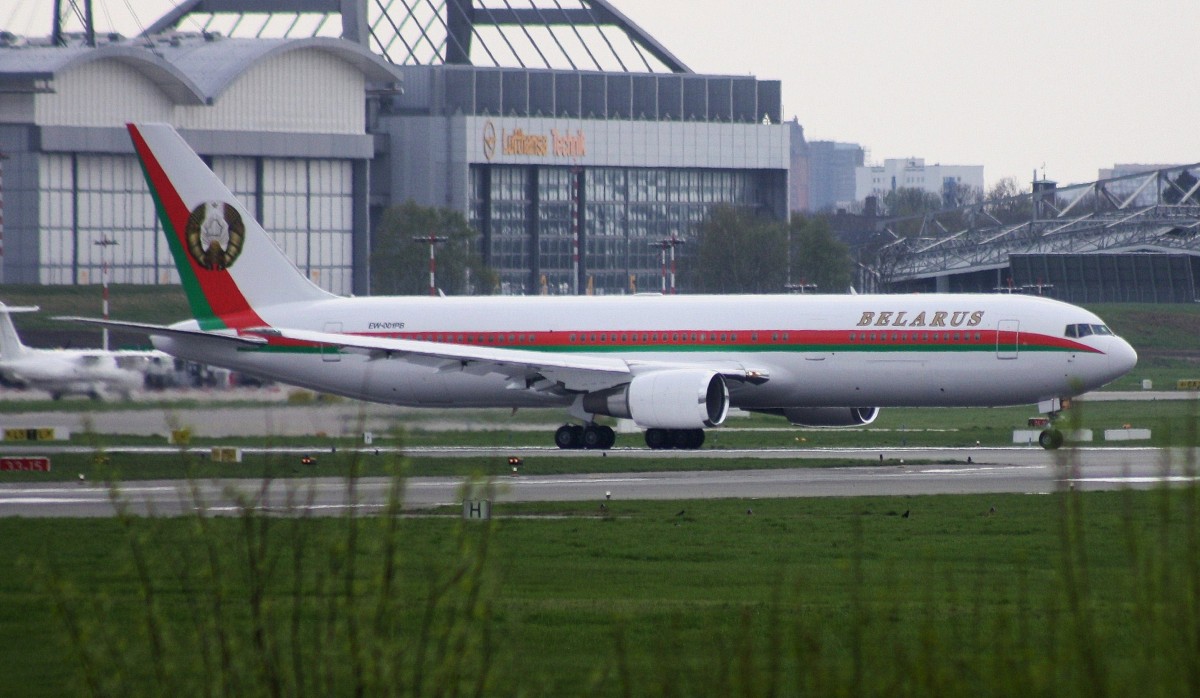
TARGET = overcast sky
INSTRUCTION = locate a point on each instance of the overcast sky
(1013, 85)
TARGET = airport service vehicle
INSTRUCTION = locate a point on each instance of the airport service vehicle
(674, 365)
(90, 372)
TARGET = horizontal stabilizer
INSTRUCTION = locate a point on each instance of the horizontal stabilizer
(19, 308)
(163, 331)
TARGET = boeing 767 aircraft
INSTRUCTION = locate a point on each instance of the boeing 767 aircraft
(672, 364)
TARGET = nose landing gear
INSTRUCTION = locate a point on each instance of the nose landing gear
(1050, 438)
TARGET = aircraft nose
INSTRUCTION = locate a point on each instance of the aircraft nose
(1122, 358)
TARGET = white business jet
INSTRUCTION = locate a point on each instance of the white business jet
(675, 365)
(60, 372)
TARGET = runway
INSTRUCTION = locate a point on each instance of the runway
(996, 470)
(1020, 469)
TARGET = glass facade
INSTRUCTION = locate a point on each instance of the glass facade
(306, 205)
(625, 211)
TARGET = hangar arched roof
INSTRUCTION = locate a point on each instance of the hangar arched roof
(189, 69)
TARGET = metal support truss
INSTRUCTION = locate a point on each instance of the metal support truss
(550, 34)
(1156, 211)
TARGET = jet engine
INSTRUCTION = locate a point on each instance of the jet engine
(827, 416)
(668, 399)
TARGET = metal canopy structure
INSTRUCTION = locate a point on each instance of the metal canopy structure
(581, 35)
(1156, 211)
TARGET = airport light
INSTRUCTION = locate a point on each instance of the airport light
(433, 241)
(105, 244)
(668, 243)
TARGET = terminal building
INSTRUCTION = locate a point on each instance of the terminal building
(573, 158)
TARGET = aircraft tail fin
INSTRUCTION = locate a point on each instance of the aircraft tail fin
(10, 342)
(228, 265)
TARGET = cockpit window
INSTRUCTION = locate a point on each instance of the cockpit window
(1084, 330)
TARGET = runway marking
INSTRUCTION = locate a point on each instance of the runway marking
(51, 500)
(964, 471)
(1137, 479)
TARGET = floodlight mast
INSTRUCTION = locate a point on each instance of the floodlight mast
(104, 244)
(663, 245)
(433, 241)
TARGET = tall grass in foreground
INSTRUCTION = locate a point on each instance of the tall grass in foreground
(1077, 594)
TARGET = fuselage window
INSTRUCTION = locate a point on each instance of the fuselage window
(785, 336)
(956, 336)
(774, 336)
(675, 337)
(754, 337)
(851, 336)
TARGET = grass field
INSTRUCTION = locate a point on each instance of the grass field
(1063, 595)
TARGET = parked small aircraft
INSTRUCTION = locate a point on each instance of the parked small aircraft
(90, 372)
(672, 364)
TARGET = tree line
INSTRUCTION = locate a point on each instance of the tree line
(733, 251)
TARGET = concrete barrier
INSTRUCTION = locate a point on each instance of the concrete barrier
(1030, 436)
(1126, 434)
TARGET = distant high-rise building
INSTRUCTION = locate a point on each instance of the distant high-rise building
(946, 181)
(831, 179)
(798, 183)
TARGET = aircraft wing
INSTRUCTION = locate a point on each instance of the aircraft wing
(164, 331)
(525, 369)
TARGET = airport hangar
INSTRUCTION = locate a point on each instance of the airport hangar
(621, 150)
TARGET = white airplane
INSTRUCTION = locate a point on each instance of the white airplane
(675, 365)
(90, 372)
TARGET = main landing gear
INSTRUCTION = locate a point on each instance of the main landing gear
(675, 438)
(600, 437)
(593, 436)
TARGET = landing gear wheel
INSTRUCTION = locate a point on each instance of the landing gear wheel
(598, 436)
(697, 439)
(593, 436)
(610, 437)
(1050, 439)
(568, 436)
(656, 438)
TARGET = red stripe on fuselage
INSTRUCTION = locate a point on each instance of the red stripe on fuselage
(814, 340)
(221, 291)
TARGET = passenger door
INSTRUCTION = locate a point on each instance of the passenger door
(1008, 333)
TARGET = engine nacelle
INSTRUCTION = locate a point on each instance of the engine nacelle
(829, 416)
(671, 399)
